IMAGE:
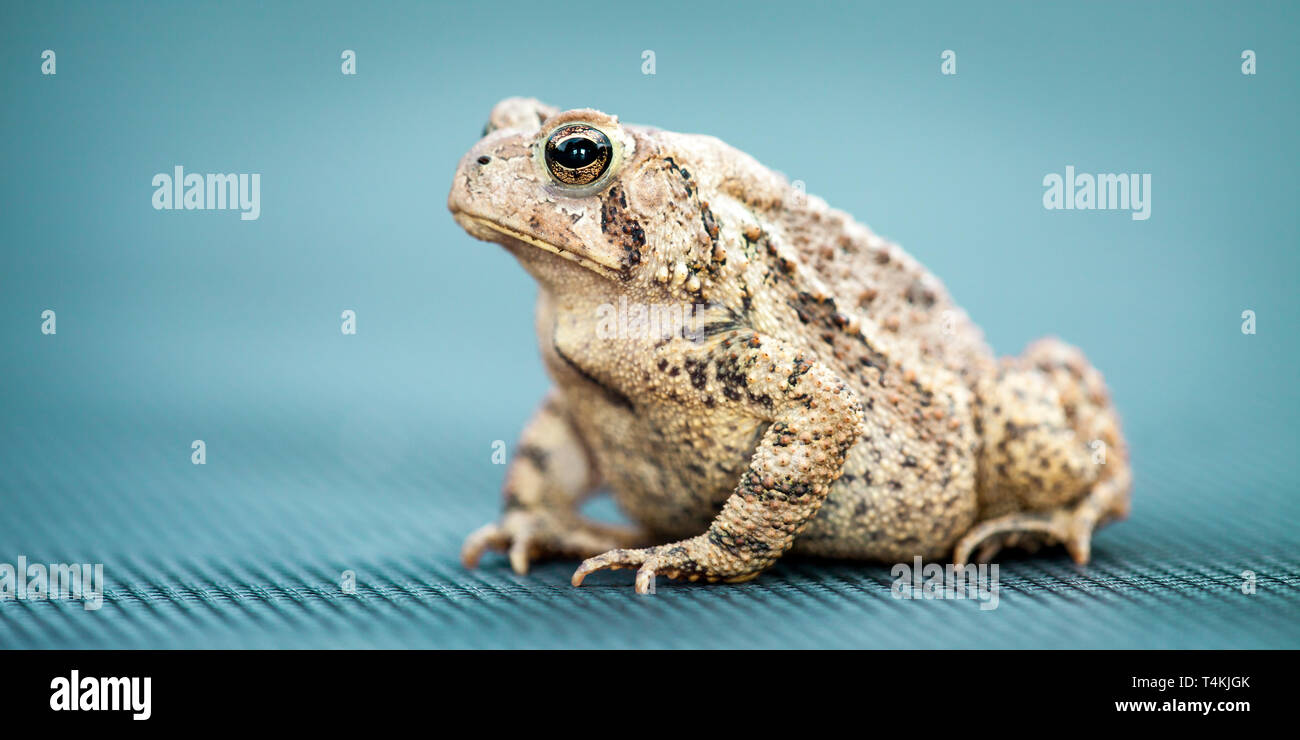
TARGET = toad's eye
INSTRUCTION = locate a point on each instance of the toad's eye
(578, 154)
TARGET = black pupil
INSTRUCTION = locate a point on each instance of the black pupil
(577, 151)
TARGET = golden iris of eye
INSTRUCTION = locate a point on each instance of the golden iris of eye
(578, 154)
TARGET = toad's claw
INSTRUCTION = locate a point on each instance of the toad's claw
(487, 537)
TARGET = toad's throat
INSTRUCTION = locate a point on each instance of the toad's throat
(604, 269)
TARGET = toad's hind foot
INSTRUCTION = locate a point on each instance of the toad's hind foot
(1055, 466)
(1072, 526)
(527, 535)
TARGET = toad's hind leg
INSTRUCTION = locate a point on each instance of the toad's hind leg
(1054, 465)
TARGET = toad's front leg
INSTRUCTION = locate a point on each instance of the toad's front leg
(815, 418)
(545, 484)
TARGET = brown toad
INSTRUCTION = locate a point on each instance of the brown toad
(751, 372)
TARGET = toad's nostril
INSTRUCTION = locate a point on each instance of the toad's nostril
(484, 159)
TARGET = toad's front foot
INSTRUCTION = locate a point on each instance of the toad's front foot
(695, 559)
(528, 535)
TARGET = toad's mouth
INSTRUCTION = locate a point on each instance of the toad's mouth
(486, 230)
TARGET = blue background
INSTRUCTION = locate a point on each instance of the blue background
(372, 452)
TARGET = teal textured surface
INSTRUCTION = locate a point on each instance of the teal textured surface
(249, 549)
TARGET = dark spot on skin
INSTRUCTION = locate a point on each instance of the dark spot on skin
(731, 377)
(710, 223)
(804, 316)
(926, 395)
(534, 454)
(918, 295)
(681, 172)
(622, 229)
(698, 372)
(823, 311)
(801, 368)
(737, 544)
